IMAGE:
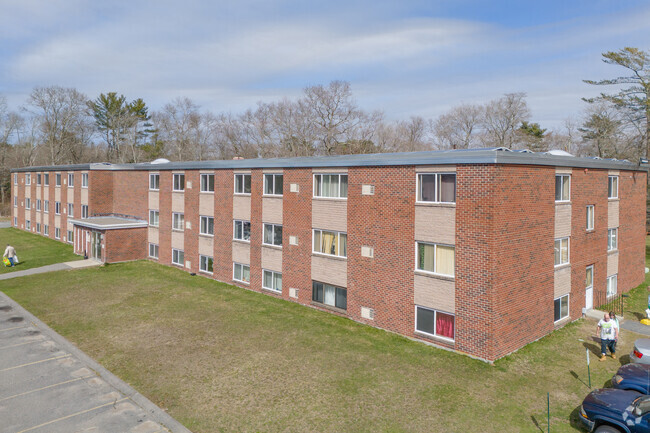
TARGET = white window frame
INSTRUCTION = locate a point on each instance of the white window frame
(84, 180)
(434, 335)
(176, 252)
(15, 178)
(611, 278)
(590, 286)
(234, 230)
(243, 183)
(273, 287)
(207, 219)
(435, 254)
(564, 199)
(71, 210)
(84, 211)
(612, 239)
(338, 243)
(15, 222)
(176, 217)
(153, 176)
(273, 230)
(242, 266)
(176, 180)
(205, 259)
(70, 237)
(28, 179)
(46, 230)
(274, 186)
(28, 203)
(568, 247)
(38, 204)
(70, 178)
(568, 307)
(46, 179)
(15, 201)
(38, 179)
(319, 194)
(57, 179)
(57, 233)
(46, 206)
(156, 251)
(154, 218)
(610, 180)
(28, 225)
(591, 217)
(205, 182)
(438, 176)
(38, 227)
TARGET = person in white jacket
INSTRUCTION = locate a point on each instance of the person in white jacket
(10, 253)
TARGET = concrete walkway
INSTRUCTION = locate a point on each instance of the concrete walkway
(77, 264)
(629, 325)
(5, 224)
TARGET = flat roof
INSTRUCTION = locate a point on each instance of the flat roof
(108, 223)
(437, 157)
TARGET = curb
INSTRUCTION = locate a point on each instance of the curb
(157, 414)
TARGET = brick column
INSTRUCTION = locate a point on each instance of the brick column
(223, 224)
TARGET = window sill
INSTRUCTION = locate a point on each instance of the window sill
(328, 307)
(330, 198)
(242, 241)
(434, 275)
(562, 202)
(435, 204)
(611, 252)
(178, 190)
(205, 272)
(178, 230)
(242, 282)
(242, 194)
(613, 199)
(328, 256)
(562, 321)
(562, 266)
(436, 338)
(273, 247)
(153, 258)
(206, 192)
(280, 196)
(179, 265)
(206, 235)
(589, 231)
(154, 190)
(275, 292)
(153, 227)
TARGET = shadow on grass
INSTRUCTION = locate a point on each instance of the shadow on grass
(593, 347)
(574, 419)
(639, 316)
(625, 359)
(576, 376)
(539, 427)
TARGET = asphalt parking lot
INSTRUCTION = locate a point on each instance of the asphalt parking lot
(48, 385)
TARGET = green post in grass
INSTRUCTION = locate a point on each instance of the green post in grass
(588, 369)
(548, 412)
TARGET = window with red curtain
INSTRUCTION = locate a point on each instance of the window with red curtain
(445, 325)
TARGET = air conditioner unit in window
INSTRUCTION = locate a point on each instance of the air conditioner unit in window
(367, 313)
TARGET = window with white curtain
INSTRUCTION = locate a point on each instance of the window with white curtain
(242, 230)
(242, 183)
(178, 221)
(612, 239)
(241, 273)
(436, 258)
(272, 281)
(612, 283)
(331, 185)
(561, 251)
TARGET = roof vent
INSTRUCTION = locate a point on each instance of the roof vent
(160, 161)
(559, 152)
(503, 149)
(526, 151)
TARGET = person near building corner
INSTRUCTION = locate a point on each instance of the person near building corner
(10, 253)
(608, 331)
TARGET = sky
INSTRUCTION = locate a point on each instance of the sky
(405, 58)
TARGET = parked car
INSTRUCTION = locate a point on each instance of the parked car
(641, 351)
(616, 410)
(633, 376)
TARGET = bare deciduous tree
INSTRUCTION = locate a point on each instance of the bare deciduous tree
(502, 118)
(459, 128)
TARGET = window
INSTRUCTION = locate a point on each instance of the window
(207, 226)
(272, 235)
(154, 217)
(15, 201)
(178, 221)
(589, 277)
(272, 281)
(205, 264)
(46, 230)
(70, 180)
(242, 230)
(153, 251)
(28, 179)
(178, 257)
(612, 283)
(84, 211)
(561, 308)
(38, 227)
(331, 243)
(15, 179)
(46, 206)
(58, 179)
(154, 181)
(331, 185)
(38, 204)
(84, 180)
(590, 217)
(437, 187)
(612, 187)
(329, 295)
(179, 182)
(46, 179)
(28, 203)
(434, 323)
(15, 222)
(70, 209)
(38, 178)
(241, 273)
(561, 251)
(28, 224)
(242, 184)
(70, 236)
(562, 187)
(612, 239)
(435, 258)
(57, 233)
(273, 184)
(207, 183)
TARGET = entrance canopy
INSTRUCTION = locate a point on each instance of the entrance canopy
(108, 223)
(110, 238)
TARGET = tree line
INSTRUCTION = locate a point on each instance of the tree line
(58, 125)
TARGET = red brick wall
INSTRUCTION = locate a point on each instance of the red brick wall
(191, 235)
(257, 180)
(165, 218)
(100, 191)
(632, 219)
(125, 244)
(223, 225)
(296, 220)
(385, 282)
(50, 198)
(130, 193)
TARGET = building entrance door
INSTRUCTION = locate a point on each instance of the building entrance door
(589, 289)
(96, 245)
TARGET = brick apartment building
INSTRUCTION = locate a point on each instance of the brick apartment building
(479, 251)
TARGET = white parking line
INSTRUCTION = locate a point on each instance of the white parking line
(15, 327)
(46, 387)
(22, 344)
(73, 415)
(35, 362)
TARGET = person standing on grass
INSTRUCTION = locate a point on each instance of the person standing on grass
(10, 253)
(608, 331)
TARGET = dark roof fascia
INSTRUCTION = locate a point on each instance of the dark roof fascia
(70, 167)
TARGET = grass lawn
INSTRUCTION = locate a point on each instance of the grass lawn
(224, 359)
(34, 250)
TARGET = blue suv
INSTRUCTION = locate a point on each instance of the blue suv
(616, 410)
